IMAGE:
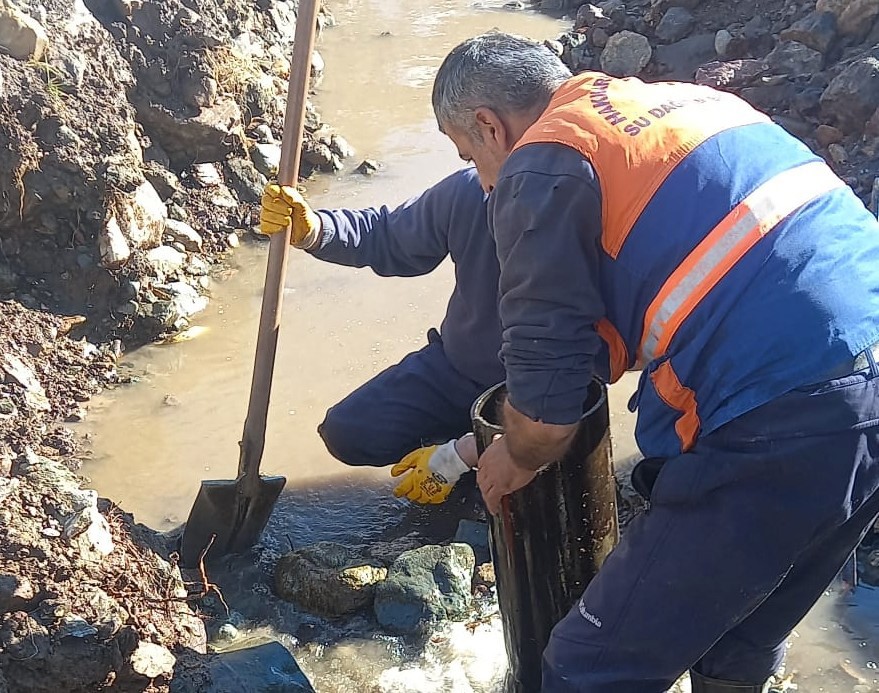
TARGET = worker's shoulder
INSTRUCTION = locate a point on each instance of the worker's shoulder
(547, 159)
(464, 181)
(459, 194)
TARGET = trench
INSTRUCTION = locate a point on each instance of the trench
(151, 444)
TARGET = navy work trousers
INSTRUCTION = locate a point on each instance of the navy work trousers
(420, 401)
(743, 534)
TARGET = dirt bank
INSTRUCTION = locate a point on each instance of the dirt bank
(135, 138)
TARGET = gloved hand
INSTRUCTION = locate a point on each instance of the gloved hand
(283, 205)
(432, 473)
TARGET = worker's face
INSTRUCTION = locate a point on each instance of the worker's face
(487, 146)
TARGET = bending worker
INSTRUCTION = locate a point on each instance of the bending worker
(417, 413)
(685, 233)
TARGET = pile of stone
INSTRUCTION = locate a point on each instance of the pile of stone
(407, 592)
(814, 67)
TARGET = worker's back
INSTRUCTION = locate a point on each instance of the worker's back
(735, 265)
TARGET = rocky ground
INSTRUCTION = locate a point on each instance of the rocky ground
(814, 67)
(135, 140)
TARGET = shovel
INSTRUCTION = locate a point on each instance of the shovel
(229, 516)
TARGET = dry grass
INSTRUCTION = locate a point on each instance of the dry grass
(234, 71)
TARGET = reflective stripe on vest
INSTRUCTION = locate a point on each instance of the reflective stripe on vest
(726, 244)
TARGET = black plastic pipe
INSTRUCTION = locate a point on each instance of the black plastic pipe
(550, 537)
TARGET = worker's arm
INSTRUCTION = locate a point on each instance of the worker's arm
(545, 215)
(409, 240)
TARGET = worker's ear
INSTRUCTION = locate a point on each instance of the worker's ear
(493, 129)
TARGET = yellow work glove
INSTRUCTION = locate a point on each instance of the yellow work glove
(431, 473)
(282, 205)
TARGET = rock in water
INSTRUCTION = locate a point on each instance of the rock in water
(426, 586)
(328, 579)
(367, 167)
(266, 667)
(625, 54)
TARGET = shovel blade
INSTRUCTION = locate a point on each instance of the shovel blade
(236, 519)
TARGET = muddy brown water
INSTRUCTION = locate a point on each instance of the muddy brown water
(154, 442)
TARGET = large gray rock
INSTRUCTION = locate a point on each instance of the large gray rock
(211, 135)
(675, 24)
(426, 586)
(266, 158)
(794, 58)
(681, 59)
(625, 54)
(245, 180)
(852, 97)
(328, 579)
(816, 30)
(135, 220)
(21, 36)
(858, 17)
(264, 668)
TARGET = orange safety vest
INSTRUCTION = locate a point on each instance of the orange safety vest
(636, 136)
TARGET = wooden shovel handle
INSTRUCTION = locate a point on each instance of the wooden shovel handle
(253, 440)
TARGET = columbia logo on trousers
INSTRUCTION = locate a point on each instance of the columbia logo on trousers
(594, 620)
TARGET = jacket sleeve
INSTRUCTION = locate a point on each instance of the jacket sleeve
(545, 215)
(407, 241)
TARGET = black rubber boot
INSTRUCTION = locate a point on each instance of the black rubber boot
(703, 684)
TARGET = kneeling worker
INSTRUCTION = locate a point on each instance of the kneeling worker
(416, 414)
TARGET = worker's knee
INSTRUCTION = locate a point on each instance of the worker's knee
(342, 440)
(347, 438)
(570, 651)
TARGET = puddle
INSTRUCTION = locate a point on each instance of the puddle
(153, 443)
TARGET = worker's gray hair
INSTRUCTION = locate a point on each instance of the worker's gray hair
(505, 73)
